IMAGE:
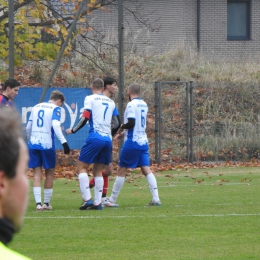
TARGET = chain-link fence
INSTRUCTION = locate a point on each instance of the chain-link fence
(217, 123)
(173, 120)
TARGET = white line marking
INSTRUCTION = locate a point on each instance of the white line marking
(138, 216)
(189, 185)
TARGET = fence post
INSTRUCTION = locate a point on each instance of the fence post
(160, 122)
(11, 37)
(156, 130)
(191, 121)
(187, 123)
(121, 65)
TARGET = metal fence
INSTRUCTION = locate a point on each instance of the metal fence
(173, 130)
(221, 122)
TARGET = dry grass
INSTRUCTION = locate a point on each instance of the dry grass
(180, 63)
(226, 95)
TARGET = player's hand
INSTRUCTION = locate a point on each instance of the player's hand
(66, 148)
(119, 136)
(68, 131)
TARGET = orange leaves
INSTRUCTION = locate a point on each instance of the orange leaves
(66, 66)
(245, 180)
(92, 4)
(199, 181)
(88, 29)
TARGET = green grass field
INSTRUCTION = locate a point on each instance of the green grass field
(205, 214)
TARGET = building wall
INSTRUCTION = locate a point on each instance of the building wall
(213, 33)
(174, 23)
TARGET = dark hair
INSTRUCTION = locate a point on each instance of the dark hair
(10, 131)
(108, 81)
(12, 83)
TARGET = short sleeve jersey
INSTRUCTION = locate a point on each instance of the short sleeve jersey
(137, 109)
(4, 101)
(102, 110)
(42, 133)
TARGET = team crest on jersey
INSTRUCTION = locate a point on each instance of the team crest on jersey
(58, 113)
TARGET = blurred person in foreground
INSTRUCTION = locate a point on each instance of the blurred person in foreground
(10, 90)
(14, 183)
(135, 150)
(110, 89)
(43, 122)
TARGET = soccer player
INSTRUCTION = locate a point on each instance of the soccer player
(135, 150)
(98, 110)
(110, 89)
(9, 91)
(44, 121)
(14, 185)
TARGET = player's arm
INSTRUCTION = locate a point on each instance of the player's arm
(116, 122)
(60, 136)
(82, 121)
(29, 127)
(129, 125)
(57, 129)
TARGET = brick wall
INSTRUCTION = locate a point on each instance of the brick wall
(174, 23)
(213, 34)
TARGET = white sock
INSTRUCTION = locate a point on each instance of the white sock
(98, 189)
(153, 186)
(47, 195)
(84, 186)
(37, 194)
(117, 188)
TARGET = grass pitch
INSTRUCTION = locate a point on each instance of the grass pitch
(205, 214)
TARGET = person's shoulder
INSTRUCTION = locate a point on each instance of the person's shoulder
(90, 97)
(8, 254)
(2, 98)
(141, 101)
